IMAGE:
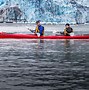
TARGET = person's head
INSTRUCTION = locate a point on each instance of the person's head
(38, 22)
(67, 25)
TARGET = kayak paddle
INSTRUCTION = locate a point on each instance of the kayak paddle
(33, 31)
(30, 29)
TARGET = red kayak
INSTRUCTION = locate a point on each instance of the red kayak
(32, 36)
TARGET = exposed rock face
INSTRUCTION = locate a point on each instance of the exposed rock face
(59, 11)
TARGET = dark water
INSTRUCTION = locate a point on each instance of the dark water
(44, 65)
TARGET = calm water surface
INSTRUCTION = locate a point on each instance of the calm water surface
(44, 64)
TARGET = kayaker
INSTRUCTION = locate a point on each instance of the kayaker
(39, 28)
(67, 30)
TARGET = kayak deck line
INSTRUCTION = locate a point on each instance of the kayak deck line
(32, 36)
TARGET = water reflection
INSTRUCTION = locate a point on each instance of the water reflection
(44, 65)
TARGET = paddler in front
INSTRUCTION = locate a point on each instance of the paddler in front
(39, 31)
(68, 30)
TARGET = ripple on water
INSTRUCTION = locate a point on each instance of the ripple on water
(51, 65)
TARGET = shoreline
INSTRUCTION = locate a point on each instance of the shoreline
(44, 23)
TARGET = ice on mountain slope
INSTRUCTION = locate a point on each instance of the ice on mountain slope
(60, 11)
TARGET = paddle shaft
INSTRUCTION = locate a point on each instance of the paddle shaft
(31, 30)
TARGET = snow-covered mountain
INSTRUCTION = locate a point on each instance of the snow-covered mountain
(60, 11)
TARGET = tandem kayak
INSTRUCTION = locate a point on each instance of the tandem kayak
(32, 36)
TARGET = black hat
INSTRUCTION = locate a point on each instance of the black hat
(37, 21)
(67, 24)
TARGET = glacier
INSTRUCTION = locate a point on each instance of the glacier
(54, 11)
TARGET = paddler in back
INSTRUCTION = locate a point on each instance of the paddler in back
(39, 28)
(67, 31)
